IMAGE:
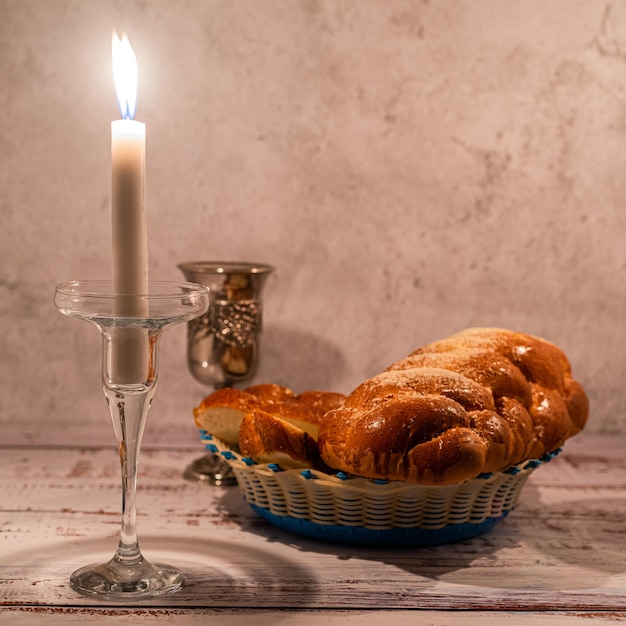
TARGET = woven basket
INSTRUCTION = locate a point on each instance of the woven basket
(349, 509)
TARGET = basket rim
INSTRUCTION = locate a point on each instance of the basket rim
(358, 483)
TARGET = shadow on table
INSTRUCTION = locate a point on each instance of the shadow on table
(589, 534)
(538, 546)
(221, 573)
(218, 573)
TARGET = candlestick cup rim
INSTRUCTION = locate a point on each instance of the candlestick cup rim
(157, 290)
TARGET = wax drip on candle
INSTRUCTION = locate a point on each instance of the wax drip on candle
(125, 74)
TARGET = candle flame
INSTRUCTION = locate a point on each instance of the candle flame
(125, 74)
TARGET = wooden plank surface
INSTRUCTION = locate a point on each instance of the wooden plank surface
(562, 549)
(40, 616)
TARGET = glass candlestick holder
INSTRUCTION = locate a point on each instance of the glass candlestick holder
(130, 326)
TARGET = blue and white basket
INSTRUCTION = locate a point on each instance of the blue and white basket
(348, 509)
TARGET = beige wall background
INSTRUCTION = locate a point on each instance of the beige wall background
(410, 169)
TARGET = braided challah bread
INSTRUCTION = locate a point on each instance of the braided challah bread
(476, 402)
(269, 423)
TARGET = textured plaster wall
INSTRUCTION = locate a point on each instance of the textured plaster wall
(410, 169)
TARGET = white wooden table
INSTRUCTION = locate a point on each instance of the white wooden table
(559, 558)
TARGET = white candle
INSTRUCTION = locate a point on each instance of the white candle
(128, 156)
(130, 357)
(129, 231)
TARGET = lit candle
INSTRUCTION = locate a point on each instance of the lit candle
(128, 155)
(130, 356)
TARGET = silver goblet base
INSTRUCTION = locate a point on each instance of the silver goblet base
(210, 469)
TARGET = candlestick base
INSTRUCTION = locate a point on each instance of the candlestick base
(116, 580)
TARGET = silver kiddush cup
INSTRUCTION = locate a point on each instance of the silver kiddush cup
(223, 345)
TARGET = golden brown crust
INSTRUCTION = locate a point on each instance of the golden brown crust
(225, 412)
(270, 439)
(475, 402)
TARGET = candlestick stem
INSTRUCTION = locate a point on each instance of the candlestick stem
(129, 409)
